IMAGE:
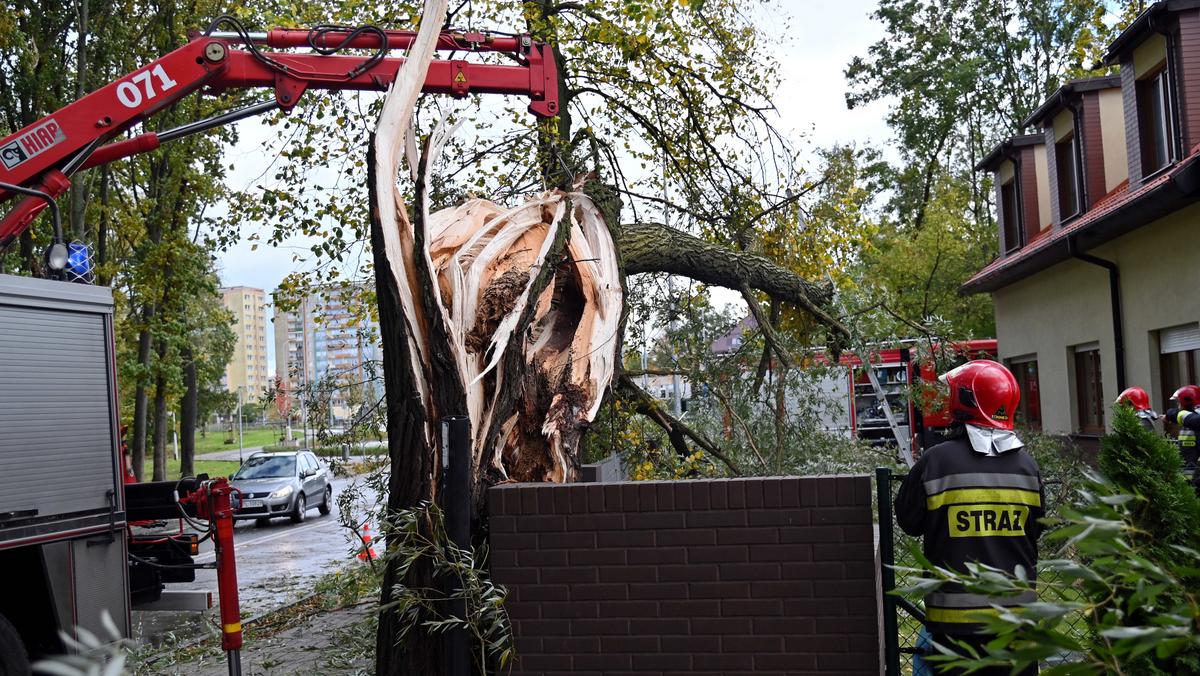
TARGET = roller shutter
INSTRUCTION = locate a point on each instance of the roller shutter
(1179, 338)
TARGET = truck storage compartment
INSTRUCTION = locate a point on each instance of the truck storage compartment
(59, 448)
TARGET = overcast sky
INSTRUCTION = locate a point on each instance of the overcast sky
(824, 36)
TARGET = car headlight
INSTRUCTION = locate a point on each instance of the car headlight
(282, 492)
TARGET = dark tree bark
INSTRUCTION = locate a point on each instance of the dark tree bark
(188, 414)
(141, 397)
(160, 416)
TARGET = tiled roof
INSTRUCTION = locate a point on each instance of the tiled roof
(1117, 200)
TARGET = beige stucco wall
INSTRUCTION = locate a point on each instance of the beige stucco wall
(1112, 135)
(1064, 123)
(1068, 304)
(1149, 54)
(1040, 163)
(1005, 172)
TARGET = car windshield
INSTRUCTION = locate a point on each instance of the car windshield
(267, 467)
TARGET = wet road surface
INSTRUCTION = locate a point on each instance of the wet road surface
(276, 565)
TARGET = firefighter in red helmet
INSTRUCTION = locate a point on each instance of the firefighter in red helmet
(1137, 398)
(1184, 414)
(975, 497)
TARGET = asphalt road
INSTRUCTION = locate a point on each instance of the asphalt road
(276, 564)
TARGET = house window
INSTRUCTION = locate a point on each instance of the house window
(1029, 412)
(1089, 389)
(1010, 214)
(1066, 164)
(1179, 349)
(1155, 128)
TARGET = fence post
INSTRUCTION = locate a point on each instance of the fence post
(456, 466)
(887, 576)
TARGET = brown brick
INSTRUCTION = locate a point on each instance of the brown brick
(546, 498)
(536, 663)
(772, 489)
(655, 521)
(683, 495)
(495, 500)
(841, 515)
(528, 500)
(688, 573)
(719, 590)
(525, 611)
(662, 661)
(752, 644)
(631, 497)
(666, 496)
(859, 662)
(860, 570)
(599, 592)
(605, 662)
(600, 627)
(503, 524)
(827, 492)
(570, 645)
(847, 489)
(578, 495)
(647, 497)
(747, 536)
(646, 590)
(519, 575)
(864, 605)
(783, 589)
(754, 493)
(848, 588)
(628, 538)
(789, 493)
(534, 558)
(566, 540)
(715, 518)
(568, 574)
(595, 498)
(725, 554)
(824, 643)
(657, 555)
(787, 553)
(543, 628)
(778, 517)
(749, 571)
(859, 533)
(726, 663)
(787, 626)
(562, 498)
(544, 592)
(628, 574)
(785, 661)
(701, 494)
(809, 488)
(514, 541)
(751, 607)
(816, 607)
(690, 608)
(857, 551)
(726, 625)
(612, 498)
(862, 493)
(597, 557)
(690, 644)
(736, 490)
(586, 522)
(502, 559)
(718, 494)
(569, 609)
(658, 627)
(692, 537)
(528, 644)
(542, 524)
(630, 644)
(628, 609)
(804, 570)
(808, 534)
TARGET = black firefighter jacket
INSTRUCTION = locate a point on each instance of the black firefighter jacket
(968, 506)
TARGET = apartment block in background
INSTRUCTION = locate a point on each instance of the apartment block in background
(247, 368)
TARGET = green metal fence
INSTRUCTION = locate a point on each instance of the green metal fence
(902, 615)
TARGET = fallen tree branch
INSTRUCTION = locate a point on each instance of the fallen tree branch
(767, 328)
(742, 423)
(676, 430)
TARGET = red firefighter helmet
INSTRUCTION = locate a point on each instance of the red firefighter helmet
(1135, 397)
(1187, 396)
(983, 393)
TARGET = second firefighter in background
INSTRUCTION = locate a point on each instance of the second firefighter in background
(976, 497)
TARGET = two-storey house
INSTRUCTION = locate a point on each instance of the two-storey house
(1098, 208)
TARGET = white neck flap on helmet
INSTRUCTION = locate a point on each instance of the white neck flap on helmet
(992, 442)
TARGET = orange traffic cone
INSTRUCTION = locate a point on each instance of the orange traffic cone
(367, 551)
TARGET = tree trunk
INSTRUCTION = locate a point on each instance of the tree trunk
(140, 396)
(188, 414)
(160, 416)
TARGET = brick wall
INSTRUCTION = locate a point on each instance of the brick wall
(769, 576)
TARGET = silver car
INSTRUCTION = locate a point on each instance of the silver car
(281, 484)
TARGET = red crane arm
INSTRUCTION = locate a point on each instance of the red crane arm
(44, 154)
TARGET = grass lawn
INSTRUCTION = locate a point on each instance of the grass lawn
(215, 439)
(213, 468)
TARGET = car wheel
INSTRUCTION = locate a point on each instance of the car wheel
(14, 661)
(300, 509)
(262, 521)
(325, 507)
